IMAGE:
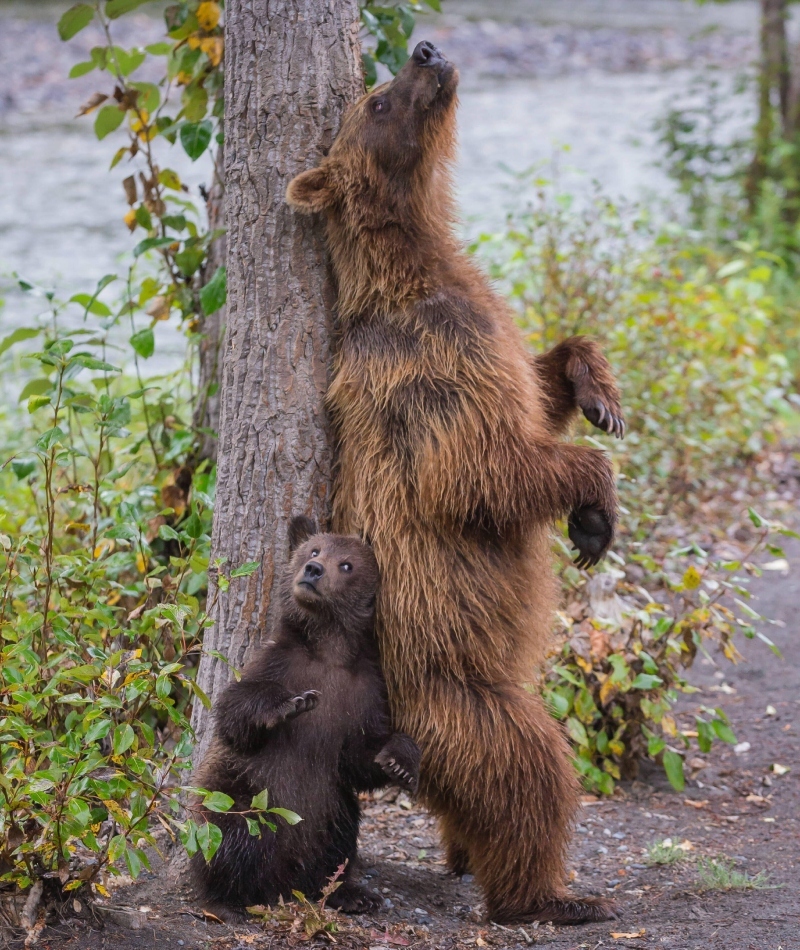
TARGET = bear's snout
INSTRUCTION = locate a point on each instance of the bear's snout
(426, 54)
(312, 572)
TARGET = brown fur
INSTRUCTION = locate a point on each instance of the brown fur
(308, 721)
(449, 463)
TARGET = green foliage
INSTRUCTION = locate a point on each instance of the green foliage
(689, 333)
(665, 852)
(387, 27)
(720, 874)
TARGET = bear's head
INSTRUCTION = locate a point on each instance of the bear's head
(392, 143)
(330, 577)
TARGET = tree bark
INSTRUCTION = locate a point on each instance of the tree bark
(291, 69)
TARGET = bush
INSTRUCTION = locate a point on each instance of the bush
(689, 334)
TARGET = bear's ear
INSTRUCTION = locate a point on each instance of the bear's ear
(310, 191)
(301, 529)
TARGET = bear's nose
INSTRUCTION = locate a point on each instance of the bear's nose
(426, 54)
(313, 571)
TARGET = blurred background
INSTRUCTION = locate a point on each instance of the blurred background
(571, 90)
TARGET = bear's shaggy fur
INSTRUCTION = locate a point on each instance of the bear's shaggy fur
(309, 722)
(449, 462)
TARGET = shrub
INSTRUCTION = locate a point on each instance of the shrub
(688, 332)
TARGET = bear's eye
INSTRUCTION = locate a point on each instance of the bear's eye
(381, 105)
(315, 553)
(346, 566)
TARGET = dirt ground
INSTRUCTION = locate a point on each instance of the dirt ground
(736, 806)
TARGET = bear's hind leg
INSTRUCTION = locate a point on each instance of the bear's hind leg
(508, 795)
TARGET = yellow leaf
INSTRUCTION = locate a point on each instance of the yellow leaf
(194, 41)
(669, 726)
(213, 47)
(130, 219)
(617, 935)
(208, 14)
(607, 690)
(616, 747)
(141, 563)
(101, 890)
(691, 579)
(583, 664)
(113, 598)
(184, 78)
(104, 546)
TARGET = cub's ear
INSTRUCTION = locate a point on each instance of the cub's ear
(310, 191)
(301, 529)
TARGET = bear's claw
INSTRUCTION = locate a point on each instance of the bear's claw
(305, 702)
(604, 418)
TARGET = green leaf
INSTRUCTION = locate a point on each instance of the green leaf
(159, 49)
(195, 137)
(91, 304)
(253, 827)
(36, 402)
(91, 362)
(144, 343)
(723, 731)
(49, 439)
(108, 119)
(189, 260)
(199, 693)
(149, 243)
(134, 862)
(23, 333)
(123, 739)
(673, 766)
(35, 387)
(290, 817)
(74, 20)
(166, 533)
(245, 570)
(22, 468)
(115, 8)
(214, 294)
(209, 838)
(81, 69)
(116, 848)
(646, 681)
(261, 800)
(218, 801)
(577, 731)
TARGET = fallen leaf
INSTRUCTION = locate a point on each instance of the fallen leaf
(207, 915)
(694, 804)
(685, 845)
(393, 939)
(741, 748)
(779, 564)
(777, 769)
(770, 711)
(628, 936)
(757, 799)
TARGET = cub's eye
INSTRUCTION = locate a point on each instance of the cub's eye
(346, 567)
(381, 105)
(315, 553)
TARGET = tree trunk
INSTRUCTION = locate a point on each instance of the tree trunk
(291, 69)
(773, 75)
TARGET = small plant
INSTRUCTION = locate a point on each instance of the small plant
(720, 874)
(665, 852)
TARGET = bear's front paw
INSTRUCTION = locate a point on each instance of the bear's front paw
(604, 416)
(301, 704)
(591, 531)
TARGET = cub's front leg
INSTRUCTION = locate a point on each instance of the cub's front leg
(399, 759)
(248, 710)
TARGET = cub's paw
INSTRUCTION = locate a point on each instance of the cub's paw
(354, 899)
(399, 759)
(604, 414)
(305, 702)
(591, 531)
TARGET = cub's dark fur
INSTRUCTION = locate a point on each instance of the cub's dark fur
(308, 721)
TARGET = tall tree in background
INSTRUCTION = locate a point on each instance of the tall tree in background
(292, 67)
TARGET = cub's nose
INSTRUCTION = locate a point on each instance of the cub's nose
(426, 54)
(313, 571)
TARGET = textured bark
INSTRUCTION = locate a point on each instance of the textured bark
(291, 68)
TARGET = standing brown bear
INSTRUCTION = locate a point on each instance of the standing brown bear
(449, 462)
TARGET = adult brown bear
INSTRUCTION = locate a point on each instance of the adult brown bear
(449, 462)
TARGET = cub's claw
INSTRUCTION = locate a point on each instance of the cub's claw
(602, 417)
(399, 759)
(591, 532)
(305, 702)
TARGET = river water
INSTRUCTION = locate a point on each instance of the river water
(581, 81)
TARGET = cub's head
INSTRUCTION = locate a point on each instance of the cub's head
(331, 576)
(390, 144)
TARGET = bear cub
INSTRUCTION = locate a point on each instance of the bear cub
(309, 721)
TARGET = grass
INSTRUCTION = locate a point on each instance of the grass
(665, 852)
(720, 874)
